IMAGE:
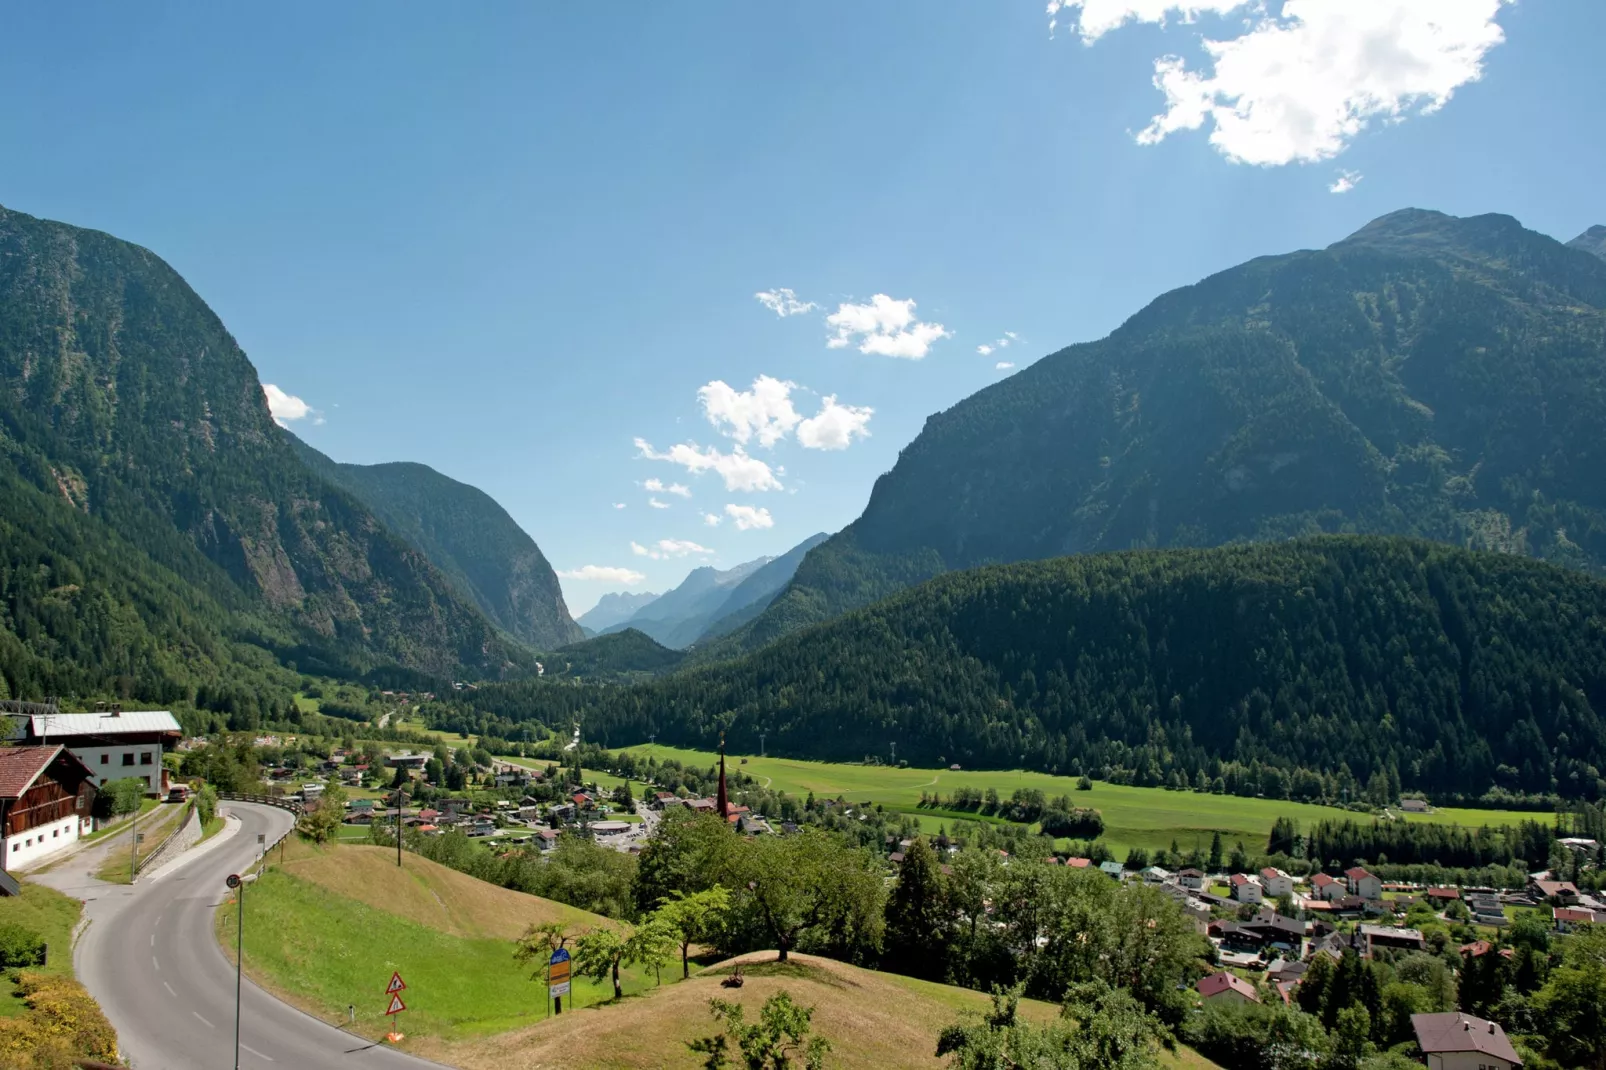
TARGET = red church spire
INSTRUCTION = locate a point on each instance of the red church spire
(724, 802)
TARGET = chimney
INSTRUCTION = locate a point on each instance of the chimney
(117, 709)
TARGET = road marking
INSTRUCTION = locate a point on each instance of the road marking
(169, 989)
(258, 1054)
(154, 964)
(153, 939)
(204, 1022)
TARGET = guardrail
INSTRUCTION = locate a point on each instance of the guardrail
(262, 800)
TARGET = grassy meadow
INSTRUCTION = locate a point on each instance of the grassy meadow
(1133, 816)
(326, 928)
(51, 915)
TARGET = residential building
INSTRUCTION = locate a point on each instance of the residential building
(1415, 806)
(1454, 1041)
(113, 744)
(1328, 888)
(1246, 889)
(1569, 919)
(1112, 869)
(1276, 883)
(1363, 884)
(1156, 875)
(1228, 987)
(1558, 893)
(46, 794)
(1191, 879)
(1377, 936)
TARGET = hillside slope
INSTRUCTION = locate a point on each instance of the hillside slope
(1426, 376)
(123, 397)
(468, 536)
(1592, 240)
(678, 616)
(1301, 668)
(616, 607)
(874, 1021)
(754, 594)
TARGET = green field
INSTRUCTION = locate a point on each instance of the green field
(1133, 817)
(315, 932)
(50, 914)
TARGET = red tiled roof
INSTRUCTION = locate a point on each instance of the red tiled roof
(1443, 893)
(1217, 983)
(1078, 863)
(21, 766)
(1322, 880)
(1358, 873)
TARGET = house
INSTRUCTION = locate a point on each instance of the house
(547, 838)
(700, 806)
(1568, 919)
(1228, 987)
(1442, 897)
(1279, 932)
(113, 744)
(1156, 875)
(407, 760)
(1276, 883)
(1326, 887)
(1235, 937)
(1246, 889)
(1078, 863)
(662, 799)
(1112, 869)
(1454, 1041)
(1198, 913)
(1558, 893)
(1191, 879)
(1377, 936)
(45, 797)
(1363, 884)
(1415, 806)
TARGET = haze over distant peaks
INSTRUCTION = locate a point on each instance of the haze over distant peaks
(615, 608)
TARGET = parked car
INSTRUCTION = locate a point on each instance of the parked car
(179, 793)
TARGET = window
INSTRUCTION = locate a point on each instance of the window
(105, 759)
(128, 759)
(54, 833)
(145, 758)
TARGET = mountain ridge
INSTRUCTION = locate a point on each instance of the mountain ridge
(615, 607)
(1391, 383)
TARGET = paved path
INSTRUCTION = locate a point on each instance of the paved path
(150, 959)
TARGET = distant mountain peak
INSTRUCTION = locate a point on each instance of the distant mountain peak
(1421, 230)
(1592, 240)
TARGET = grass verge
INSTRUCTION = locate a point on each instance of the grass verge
(51, 915)
(115, 870)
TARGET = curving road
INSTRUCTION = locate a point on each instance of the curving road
(150, 959)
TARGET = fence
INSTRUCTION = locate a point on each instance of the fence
(262, 800)
(161, 849)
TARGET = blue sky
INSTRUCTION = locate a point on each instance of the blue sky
(510, 241)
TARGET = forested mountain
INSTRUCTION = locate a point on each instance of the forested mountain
(467, 535)
(1592, 240)
(615, 608)
(1427, 376)
(1298, 668)
(194, 527)
(677, 617)
(754, 594)
(626, 655)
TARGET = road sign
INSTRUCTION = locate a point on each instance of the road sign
(262, 837)
(396, 984)
(557, 974)
(233, 880)
(396, 1005)
(559, 990)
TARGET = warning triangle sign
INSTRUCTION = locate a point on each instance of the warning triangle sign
(396, 984)
(396, 1005)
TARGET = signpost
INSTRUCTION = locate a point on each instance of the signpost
(394, 991)
(557, 977)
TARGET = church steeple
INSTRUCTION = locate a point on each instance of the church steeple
(724, 802)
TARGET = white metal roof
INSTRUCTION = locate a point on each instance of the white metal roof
(56, 725)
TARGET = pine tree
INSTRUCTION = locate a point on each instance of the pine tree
(920, 916)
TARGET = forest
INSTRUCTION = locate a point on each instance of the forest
(1323, 668)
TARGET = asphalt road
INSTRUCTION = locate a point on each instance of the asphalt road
(150, 959)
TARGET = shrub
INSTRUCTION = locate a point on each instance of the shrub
(63, 1024)
(20, 946)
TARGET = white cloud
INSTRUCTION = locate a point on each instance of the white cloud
(1346, 181)
(987, 349)
(667, 548)
(656, 504)
(1003, 366)
(603, 574)
(618, 505)
(884, 327)
(712, 519)
(783, 302)
(747, 518)
(287, 407)
(1301, 83)
(739, 471)
(764, 412)
(834, 426)
(658, 486)
(1095, 18)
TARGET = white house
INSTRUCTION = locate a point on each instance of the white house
(45, 797)
(1191, 879)
(1328, 888)
(1363, 884)
(1276, 883)
(1246, 889)
(1452, 1041)
(113, 743)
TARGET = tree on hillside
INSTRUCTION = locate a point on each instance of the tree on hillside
(691, 918)
(780, 1035)
(600, 953)
(321, 822)
(687, 853)
(811, 886)
(1569, 1005)
(920, 916)
(537, 945)
(1099, 1027)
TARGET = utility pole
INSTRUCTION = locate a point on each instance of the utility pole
(894, 752)
(398, 801)
(761, 744)
(133, 841)
(237, 885)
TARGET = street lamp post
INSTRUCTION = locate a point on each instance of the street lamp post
(237, 885)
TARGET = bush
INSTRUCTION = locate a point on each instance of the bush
(63, 1024)
(20, 946)
(206, 803)
(1080, 823)
(119, 797)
